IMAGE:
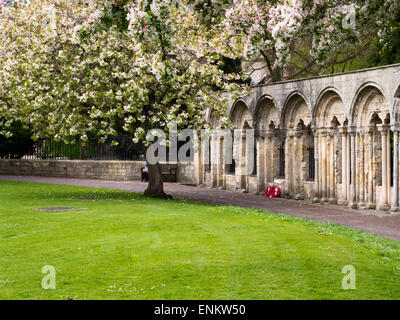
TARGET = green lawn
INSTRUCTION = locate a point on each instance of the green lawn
(126, 246)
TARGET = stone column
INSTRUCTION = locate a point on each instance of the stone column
(370, 194)
(214, 160)
(236, 150)
(324, 174)
(348, 165)
(275, 145)
(224, 166)
(289, 165)
(239, 151)
(320, 171)
(269, 157)
(220, 160)
(331, 166)
(389, 168)
(395, 199)
(197, 157)
(353, 194)
(316, 198)
(345, 185)
(296, 166)
(244, 163)
(358, 167)
(276, 155)
(205, 157)
(361, 198)
(383, 129)
(260, 161)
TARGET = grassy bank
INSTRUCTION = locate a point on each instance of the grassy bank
(126, 246)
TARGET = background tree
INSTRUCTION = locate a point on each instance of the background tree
(300, 38)
(19, 144)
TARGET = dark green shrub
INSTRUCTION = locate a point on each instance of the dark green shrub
(19, 144)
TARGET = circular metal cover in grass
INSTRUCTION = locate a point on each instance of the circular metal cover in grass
(59, 209)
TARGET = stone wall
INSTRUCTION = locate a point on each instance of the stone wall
(186, 174)
(330, 139)
(106, 170)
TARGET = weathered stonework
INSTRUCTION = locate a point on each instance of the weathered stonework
(329, 139)
(107, 170)
(83, 169)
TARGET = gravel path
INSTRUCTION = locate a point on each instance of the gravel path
(384, 224)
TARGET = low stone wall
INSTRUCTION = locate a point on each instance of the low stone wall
(106, 170)
(186, 174)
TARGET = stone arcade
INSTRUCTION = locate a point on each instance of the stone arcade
(330, 139)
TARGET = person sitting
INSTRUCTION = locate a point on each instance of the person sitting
(145, 173)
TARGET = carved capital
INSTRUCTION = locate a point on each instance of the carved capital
(270, 134)
(323, 132)
(371, 129)
(262, 133)
(352, 130)
(342, 130)
(361, 132)
(383, 129)
(395, 128)
(299, 134)
(331, 132)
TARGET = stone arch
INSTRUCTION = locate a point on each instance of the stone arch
(375, 120)
(396, 107)
(241, 115)
(297, 123)
(266, 114)
(372, 148)
(396, 152)
(397, 94)
(268, 141)
(241, 119)
(212, 152)
(329, 116)
(329, 106)
(368, 101)
(213, 120)
(296, 109)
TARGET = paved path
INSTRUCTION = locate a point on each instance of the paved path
(384, 224)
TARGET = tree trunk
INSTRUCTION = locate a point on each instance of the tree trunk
(155, 187)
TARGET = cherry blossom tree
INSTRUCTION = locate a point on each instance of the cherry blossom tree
(72, 70)
(284, 32)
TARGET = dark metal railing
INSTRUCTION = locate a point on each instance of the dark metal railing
(126, 150)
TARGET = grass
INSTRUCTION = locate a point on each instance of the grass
(127, 246)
